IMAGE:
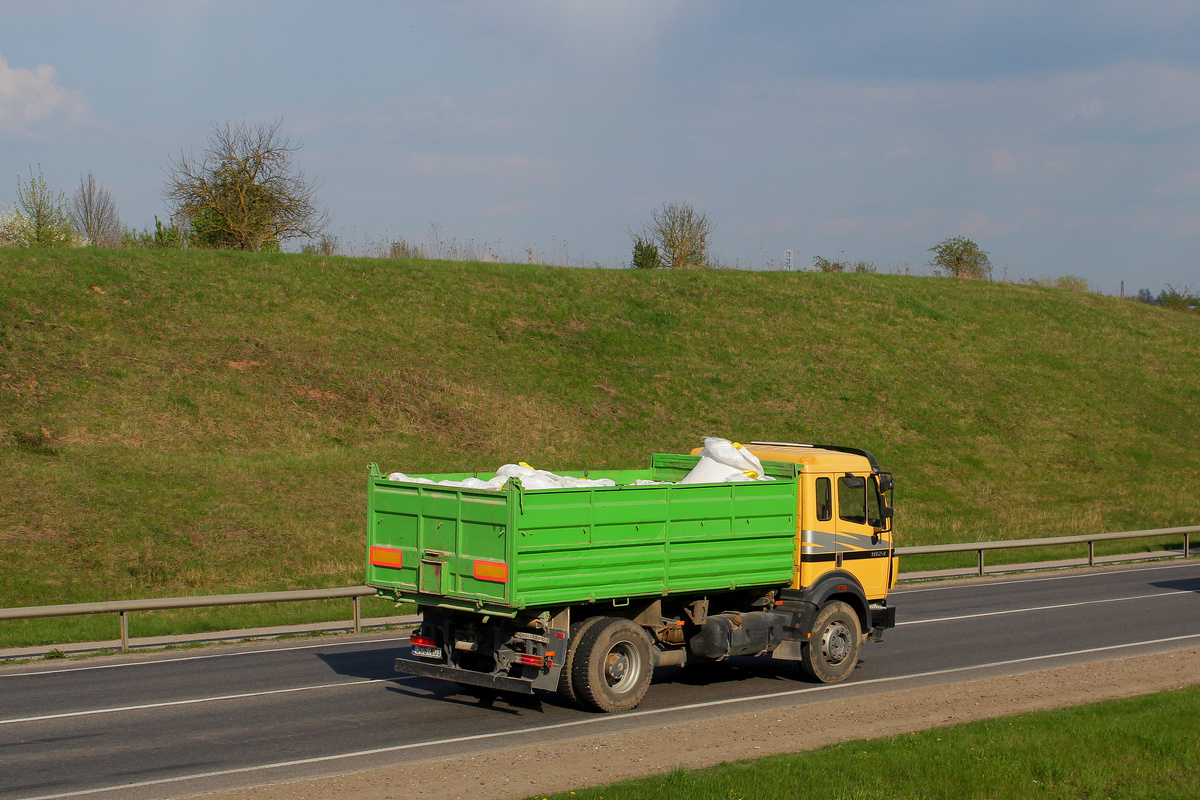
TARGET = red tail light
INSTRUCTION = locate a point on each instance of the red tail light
(422, 641)
(532, 661)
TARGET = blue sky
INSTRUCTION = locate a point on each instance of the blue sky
(1063, 137)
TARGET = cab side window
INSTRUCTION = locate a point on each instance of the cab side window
(824, 499)
(852, 499)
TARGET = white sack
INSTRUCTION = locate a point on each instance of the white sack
(709, 470)
(400, 476)
(732, 454)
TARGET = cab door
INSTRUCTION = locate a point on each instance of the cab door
(862, 542)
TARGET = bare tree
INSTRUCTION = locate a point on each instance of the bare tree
(243, 193)
(681, 234)
(95, 214)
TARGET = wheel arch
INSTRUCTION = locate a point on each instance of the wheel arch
(841, 585)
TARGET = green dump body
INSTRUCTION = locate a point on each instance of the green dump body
(504, 551)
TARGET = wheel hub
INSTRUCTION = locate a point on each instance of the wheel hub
(616, 667)
(835, 643)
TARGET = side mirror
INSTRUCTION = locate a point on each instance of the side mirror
(886, 482)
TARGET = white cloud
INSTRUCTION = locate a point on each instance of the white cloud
(32, 96)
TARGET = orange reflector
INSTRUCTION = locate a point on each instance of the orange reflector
(491, 571)
(386, 557)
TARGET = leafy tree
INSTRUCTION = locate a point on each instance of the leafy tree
(1179, 299)
(47, 219)
(645, 254)
(243, 193)
(95, 213)
(14, 228)
(162, 237)
(959, 257)
(680, 234)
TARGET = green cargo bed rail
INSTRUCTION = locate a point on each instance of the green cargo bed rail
(501, 551)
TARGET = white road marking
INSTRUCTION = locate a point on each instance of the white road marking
(200, 657)
(594, 720)
(195, 700)
(1025, 579)
(1043, 608)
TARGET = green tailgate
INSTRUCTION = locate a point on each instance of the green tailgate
(498, 551)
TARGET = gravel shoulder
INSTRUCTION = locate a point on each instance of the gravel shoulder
(518, 772)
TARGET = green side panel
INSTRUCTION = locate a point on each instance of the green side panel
(578, 545)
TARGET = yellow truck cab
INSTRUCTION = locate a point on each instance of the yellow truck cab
(844, 514)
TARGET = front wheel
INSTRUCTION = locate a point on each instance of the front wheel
(612, 668)
(832, 652)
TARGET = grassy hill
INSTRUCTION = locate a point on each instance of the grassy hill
(200, 422)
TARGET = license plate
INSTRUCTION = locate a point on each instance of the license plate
(426, 652)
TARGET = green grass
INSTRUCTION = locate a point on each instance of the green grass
(1139, 748)
(178, 423)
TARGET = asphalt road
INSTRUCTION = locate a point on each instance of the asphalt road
(164, 725)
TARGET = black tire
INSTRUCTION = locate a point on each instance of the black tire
(832, 652)
(566, 684)
(613, 666)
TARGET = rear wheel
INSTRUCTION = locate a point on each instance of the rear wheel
(832, 652)
(612, 668)
(566, 684)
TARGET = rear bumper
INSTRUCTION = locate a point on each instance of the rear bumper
(446, 672)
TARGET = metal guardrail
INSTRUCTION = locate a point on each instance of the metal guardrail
(356, 593)
(1089, 538)
(124, 607)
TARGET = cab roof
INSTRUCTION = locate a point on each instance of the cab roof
(816, 457)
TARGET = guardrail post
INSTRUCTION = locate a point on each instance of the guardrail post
(981, 561)
(357, 614)
(124, 632)
(1091, 553)
(1187, 545)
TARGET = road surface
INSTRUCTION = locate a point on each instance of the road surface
(171, 724)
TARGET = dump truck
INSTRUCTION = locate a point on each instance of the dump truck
(585, 591)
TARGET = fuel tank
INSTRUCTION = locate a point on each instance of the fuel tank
(738, 634)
